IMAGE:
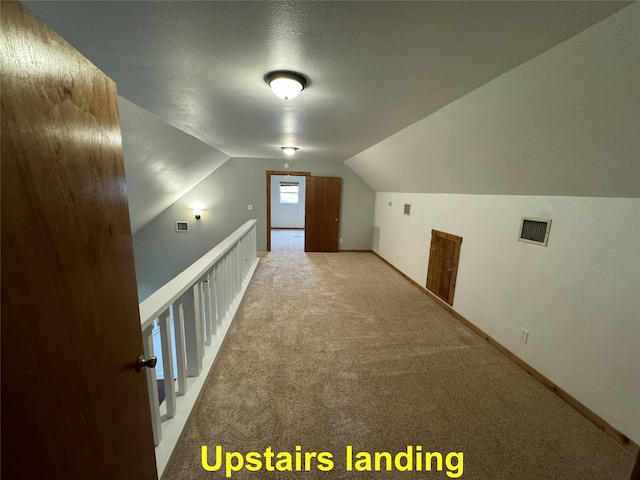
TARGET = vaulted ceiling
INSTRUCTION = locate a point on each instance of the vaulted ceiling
(374, 67)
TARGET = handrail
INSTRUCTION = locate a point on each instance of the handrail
(194, 312)
(162, 298)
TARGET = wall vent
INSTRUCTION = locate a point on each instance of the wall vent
(535, 230)
(407, 209)
(182, 226)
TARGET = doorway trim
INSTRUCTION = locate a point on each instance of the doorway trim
(277, 172)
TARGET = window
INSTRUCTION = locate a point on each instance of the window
(289, 192)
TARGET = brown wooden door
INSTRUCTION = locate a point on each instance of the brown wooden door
(73, 405)
(443, 264)
(322, 214)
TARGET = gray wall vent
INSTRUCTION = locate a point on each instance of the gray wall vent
(182, 226)
(535, 230)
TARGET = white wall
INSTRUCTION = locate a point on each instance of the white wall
(286, 215)
(579, 296)
(556, 137)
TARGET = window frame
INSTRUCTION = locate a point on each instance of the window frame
(296, 192)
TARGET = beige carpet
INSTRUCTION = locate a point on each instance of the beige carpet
(331, 350)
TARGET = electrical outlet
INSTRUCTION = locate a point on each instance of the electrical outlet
(249, 207)
(340, 240)
(524, 335)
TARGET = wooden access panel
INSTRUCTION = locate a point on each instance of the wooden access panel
(443, 264)
(322, 214)
(73, 405)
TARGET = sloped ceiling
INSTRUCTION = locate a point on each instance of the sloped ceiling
(566, 123)
(161, 162)
(375, 68)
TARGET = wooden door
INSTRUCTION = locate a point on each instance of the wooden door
(443, 264)
(73, 405)
(322, 214)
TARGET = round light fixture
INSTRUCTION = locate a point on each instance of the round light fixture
(289, 150)
(286, 84)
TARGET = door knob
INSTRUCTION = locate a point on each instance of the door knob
(143, 362)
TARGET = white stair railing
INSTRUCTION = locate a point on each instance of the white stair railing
(200, 303)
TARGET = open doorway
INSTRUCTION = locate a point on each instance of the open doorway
(287, 240)
(286, 210)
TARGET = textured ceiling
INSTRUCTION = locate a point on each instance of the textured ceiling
(374, 67)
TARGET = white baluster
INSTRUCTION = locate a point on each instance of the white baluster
(232, 274)
(247, 255)
(206, 300)
(181, 360)
(243, 254)
(193, 332)
(249, 259)
(152, 385)
(225, 286)
(236, 274)
(238, 265)
(218, 289)
(213, 307)
(232, 287)
(167, 363)
(197, 301)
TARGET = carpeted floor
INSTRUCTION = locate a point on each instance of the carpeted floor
(336, 350)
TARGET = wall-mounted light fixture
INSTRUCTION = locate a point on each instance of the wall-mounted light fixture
(197, 209)
(289, 150)
(286, 84)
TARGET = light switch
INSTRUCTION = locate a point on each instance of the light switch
(249, 207)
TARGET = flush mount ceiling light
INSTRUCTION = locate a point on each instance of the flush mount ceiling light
(289, 150)
(286, 84)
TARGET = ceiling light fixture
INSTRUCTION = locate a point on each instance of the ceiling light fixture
(289, 150)
(286, 84)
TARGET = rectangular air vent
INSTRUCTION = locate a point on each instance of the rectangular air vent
(182, 226)
(407, 209)
(535, 230)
